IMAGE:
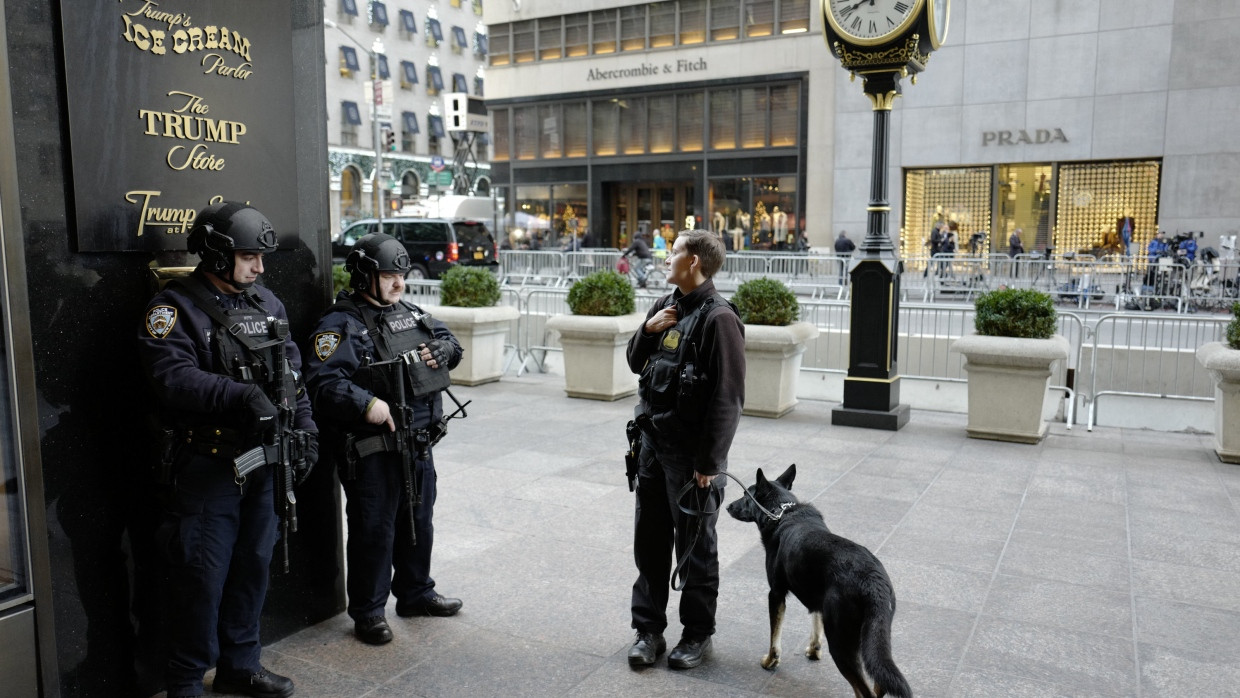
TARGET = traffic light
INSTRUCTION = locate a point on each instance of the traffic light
(389, 140)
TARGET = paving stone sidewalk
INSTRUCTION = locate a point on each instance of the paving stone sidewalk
(1092, 564)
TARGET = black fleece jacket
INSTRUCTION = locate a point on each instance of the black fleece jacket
(722, 358)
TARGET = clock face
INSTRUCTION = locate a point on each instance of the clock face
(939, 10)
(871, 21)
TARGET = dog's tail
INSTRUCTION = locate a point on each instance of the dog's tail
(876, 655)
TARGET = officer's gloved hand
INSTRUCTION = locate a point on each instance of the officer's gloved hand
(441, 351)
(262, 413)
(302, 468)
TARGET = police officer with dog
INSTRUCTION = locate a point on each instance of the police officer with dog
(690, 355)
(378, 368)
(224, 371)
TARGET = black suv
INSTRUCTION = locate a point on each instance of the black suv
(435, 245)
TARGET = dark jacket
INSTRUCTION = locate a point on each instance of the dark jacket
(339, 345)
(721, 357)
(183, 364)
(639, 248)
(844, 246)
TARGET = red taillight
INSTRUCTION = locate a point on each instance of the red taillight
(453, 254)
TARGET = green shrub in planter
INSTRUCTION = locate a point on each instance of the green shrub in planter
(469, 287)
(340, 279)
(766, 302)
(1015, 312)
(1233, 327)
(604, 292)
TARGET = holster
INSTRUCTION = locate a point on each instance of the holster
(633, 431)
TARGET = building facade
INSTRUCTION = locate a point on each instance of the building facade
(1076, 123)
(421, 50)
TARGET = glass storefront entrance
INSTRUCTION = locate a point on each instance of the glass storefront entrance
(649, 207)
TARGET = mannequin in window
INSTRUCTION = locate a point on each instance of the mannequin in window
(1126, 228)
(780, 220)
(743, 221)
(717, 222)
(763, 224)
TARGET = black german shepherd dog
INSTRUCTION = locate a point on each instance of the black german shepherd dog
(847, 591)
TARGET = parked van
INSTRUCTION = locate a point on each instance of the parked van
(434, 245)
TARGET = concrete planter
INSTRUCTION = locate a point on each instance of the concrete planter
(1008, 379)
(594, 354)
(1223, 363)
(481, 333)
(772, 364)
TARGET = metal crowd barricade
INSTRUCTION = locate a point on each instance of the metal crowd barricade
(1150, 356)
(743, 266)
(584, 262)
(422, 291)
(532, 267)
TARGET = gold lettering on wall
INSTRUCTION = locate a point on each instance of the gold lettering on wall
(188, 40)
(175, 221)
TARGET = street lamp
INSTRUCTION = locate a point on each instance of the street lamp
(376, 97)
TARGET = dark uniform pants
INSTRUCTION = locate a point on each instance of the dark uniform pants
(219, 543)
(379, 542)
(661, 527)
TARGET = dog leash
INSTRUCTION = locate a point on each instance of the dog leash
(701, 513)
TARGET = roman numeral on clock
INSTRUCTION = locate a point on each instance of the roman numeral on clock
(901, 7)
(873, 27)
(856, 23)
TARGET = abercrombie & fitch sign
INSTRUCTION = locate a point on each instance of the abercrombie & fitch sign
(173, 106)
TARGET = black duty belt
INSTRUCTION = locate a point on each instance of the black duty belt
(379, 443)
(218, 441)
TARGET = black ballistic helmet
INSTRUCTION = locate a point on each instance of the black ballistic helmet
(373, 254)
(227, 227)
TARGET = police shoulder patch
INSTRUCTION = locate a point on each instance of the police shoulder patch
(160, 320)
(325, 344)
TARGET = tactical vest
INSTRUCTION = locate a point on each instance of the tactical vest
(397, 331)
(672, 386)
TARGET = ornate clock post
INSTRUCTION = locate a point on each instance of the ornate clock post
(882, 41)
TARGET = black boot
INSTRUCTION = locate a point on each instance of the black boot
(646, 649)
(689, 652)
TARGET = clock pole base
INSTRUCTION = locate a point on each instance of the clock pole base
(890, 420)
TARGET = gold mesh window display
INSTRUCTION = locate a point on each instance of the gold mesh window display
(959, 194)
(1093, 201)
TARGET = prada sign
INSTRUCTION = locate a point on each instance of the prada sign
(173, 106)
(1040, 136)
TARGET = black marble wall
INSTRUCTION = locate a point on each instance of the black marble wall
(85, 310)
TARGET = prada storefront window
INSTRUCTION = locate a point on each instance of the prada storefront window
(755, 213)
(958, 194)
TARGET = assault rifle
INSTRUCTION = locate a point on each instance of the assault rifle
(283, 446)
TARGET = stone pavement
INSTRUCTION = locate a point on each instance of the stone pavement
(1092, 564)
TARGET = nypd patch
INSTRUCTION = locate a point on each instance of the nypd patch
(325, 344)
(160, 320)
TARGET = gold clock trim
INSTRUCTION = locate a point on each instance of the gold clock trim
(896, 55)
(829, 18)
(937, 38)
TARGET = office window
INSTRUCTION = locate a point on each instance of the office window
(499, 126)
(604, 25)
(459, 84)
(690, 115)
(459, 42)
(722, 119)
(662, 123)
(378, 15)
(348, 61)
(793, 16)
(434, 32)
(785, 112)
(410, 121)
(550, 39)
(434, 80)
(407, 140)
(408, 24)
(551, 133)
(477, 7)
(525, 134)
(575, 129)
(692, 21)
(349, 113)
(434, 125)
(725, 17)
(478, 85)
(481, 45)
(384, 72)
(577, 35)
(408, 75)
(523, 41)
(606, 125)
(662, 24)
(753, 103)
(633, 125)
(759, 17)
(348, 7)
(633, 28)
(499, 36)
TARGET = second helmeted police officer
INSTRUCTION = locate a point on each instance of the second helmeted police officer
(223, 368)
(375, 376)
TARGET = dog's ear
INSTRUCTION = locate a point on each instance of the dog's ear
(761, 478)
(789, 475)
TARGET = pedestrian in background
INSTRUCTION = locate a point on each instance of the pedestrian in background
(844, 249)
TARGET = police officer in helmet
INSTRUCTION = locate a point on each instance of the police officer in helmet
(376, 376)
(223, 369)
